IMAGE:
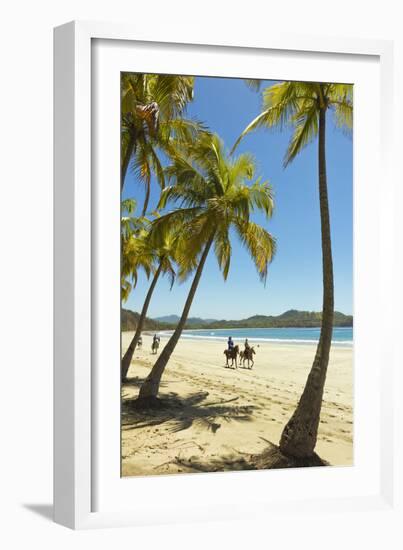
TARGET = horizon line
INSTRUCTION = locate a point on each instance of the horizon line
(193, 316)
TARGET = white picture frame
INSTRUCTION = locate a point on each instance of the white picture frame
(81, 489)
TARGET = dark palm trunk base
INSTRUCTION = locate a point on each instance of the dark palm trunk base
(271, 458)
(144, 404)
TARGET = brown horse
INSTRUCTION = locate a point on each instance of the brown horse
(231, 354)
(247, 355)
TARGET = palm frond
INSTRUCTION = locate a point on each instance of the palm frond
(260, 245)
(128, 205)
(168, 268)
(306, 126)
(258, 122)
(253, 83)
(223, 250)
(261, 197)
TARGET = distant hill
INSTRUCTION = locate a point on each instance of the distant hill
(173, 319)
(290, 318)
(129, 320)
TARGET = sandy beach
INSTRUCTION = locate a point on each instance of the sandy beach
(220, 415)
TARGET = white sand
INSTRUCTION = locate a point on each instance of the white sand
(229, 413)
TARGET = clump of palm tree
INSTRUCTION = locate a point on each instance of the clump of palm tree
(303, 106)
(131, 226)
(214, 194)
(158, 260)
(152, 120)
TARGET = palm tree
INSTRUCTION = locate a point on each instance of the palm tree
(213, 198)
(132, 260)
(304, 106)
(161, 257)
(152, 109)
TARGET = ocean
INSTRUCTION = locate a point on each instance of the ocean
(341, 335)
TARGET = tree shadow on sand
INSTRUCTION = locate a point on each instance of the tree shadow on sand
(270, 458)
(181, 413)
(138, 381)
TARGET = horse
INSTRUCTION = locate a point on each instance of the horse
(231, 354)
(154, 346)
(247, 355)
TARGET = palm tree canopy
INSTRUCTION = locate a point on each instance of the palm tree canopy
(139, 251)
(213, 193)
(152, 119)
(130, 224)
(297, 105)
(135, 256)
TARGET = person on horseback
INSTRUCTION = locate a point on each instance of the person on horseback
(156, 338)
(247, 346)
(230, 343)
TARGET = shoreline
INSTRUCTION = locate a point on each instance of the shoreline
(226, 413)
(166, 333)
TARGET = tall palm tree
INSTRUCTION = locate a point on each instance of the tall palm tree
(152, 109)
(161, 257)
(303, 106)
(211, 191)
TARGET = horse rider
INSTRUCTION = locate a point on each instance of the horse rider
(247, 346)
(156, 338)
(230, 343)
(140, 342)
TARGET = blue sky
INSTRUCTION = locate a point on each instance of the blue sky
(295, 275)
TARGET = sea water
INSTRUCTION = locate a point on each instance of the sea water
(341, 335)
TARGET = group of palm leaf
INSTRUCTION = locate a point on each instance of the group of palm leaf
(213, 195)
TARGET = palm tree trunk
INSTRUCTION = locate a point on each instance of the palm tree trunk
(128, 356)
(150, 387)
(126, 160)
(299, 435)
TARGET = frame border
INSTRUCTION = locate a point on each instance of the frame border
(72, 253)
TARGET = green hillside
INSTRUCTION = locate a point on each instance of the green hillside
(290, 318)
